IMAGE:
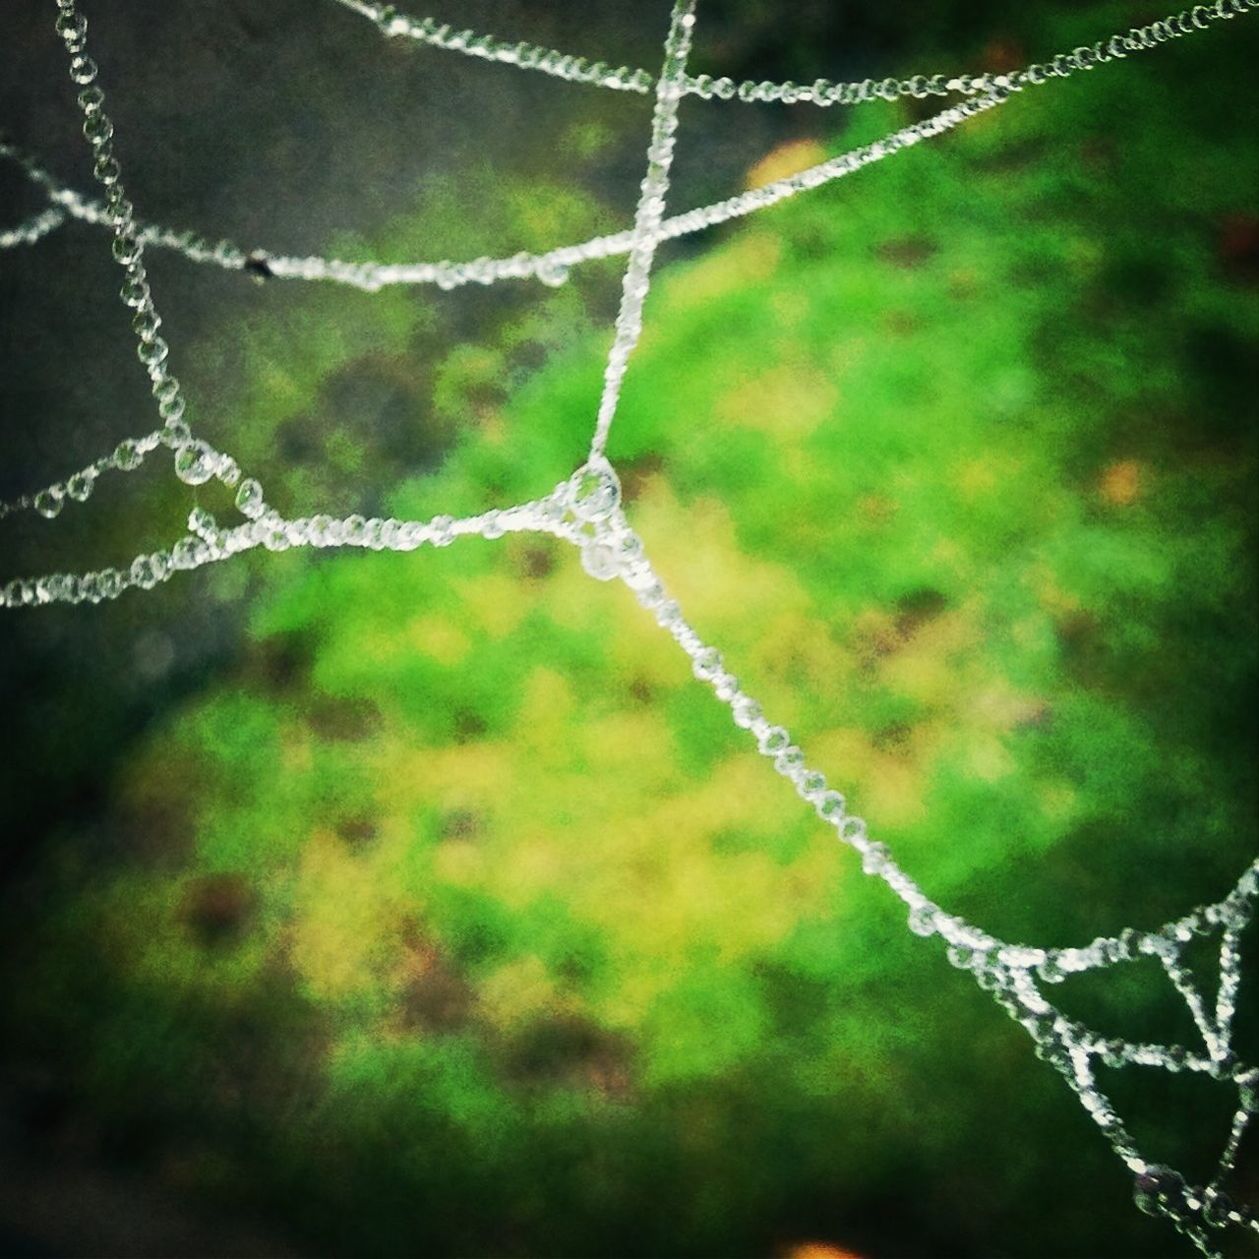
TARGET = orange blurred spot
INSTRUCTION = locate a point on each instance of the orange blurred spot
(786, 159)
(1123, 482)
(819, 1250)
(1003, 55)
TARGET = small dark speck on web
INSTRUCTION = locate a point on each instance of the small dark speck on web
(259, 265)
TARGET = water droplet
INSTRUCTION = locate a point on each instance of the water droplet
(1158, 1190)
(600, 561)
(172, 409)
(706, 663)
(1050, 972)
(127, 455)
(552, 274)
(49, 502)
(630, 547)
(853, 830)
(194, 463)
(79, 486)
(1114, 1053)
(175, 434)
(1248, 1090)
(669, 614)
(813, 785)
(831, 806)
(594, 492)
(249, 501)
(651, 595)
(922, 920)
(202, 524)
(874, 859)
(135, 291)
(83, 70)
(789, 760)
(1218, 1208)
(184, 553)
(142, 572)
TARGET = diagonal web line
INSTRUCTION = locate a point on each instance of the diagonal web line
(647, 219)
(394, 23)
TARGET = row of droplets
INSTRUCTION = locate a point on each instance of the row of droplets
(588, 509)
(1011, 973)
(396, 24)
(553, 266)
(195, 460)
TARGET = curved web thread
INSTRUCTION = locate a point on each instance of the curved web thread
(586, 511)
(441, 35)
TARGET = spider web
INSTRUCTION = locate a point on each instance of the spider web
(586, 511)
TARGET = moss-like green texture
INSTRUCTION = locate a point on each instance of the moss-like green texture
(460, 920)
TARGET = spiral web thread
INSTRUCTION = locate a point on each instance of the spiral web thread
(586, 511)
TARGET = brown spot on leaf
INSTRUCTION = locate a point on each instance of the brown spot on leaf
(874, 634)
(567, 1048)
(356, 830)
(434, 997)
(280, 662)
(963, 283)
(636, 473)
(902, 323)
(461, 824)
(341, 719)
(1099, 154)
(875, 509)
(1123, 483)
(905, 251)
(534, 559)
(468, 726)
(917, 609)
(641, 691)
(893, 738)
(216, 907)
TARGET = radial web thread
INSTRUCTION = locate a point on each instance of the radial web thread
(585, 510)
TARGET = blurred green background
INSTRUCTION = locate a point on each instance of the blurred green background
(379, 904)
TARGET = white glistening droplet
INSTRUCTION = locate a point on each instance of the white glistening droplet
(194, 463)
(600, 561)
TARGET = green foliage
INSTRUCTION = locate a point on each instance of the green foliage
(950, 459)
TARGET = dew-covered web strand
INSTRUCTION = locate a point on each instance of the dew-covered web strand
(647, 219)
(552, 266)
(195, 460)
(396, 24)
(33, 229)
(586, 511)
